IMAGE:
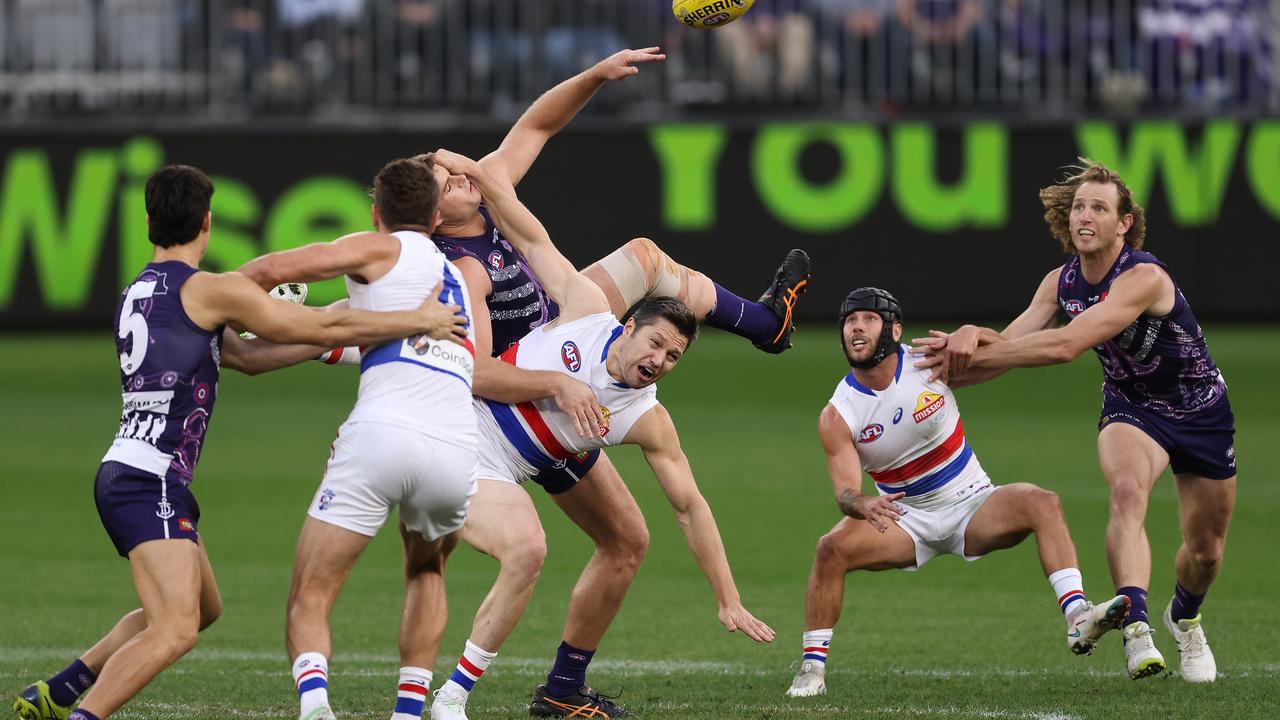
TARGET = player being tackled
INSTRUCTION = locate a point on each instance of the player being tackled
(904, 429)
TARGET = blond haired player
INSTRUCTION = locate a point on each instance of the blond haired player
(890, 419)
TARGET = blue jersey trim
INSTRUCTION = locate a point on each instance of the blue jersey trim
(852, 381)
(519, 439)
(390, 353)
(929, 483)
(609, 343)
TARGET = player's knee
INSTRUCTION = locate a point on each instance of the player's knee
(629, 549)
(1206, 552)
(1128, 497)
(210, 611)
(524, 560)
(177, 639)
(1046, 504)
(828, 556)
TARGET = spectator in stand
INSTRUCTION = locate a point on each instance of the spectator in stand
(1208, 53)
(770, 51)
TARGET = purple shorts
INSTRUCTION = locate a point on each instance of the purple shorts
(1201, 444)
(560, 479)
(136, 507)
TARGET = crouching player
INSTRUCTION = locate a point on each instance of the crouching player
(935, 498)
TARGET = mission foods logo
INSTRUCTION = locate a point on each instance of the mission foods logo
(926, 405)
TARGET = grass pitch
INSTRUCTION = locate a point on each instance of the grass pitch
(955, 640)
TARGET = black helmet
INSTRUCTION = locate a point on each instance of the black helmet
(878, 301)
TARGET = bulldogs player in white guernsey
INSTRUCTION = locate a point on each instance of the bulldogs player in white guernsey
(621, 363)
(409, 441)
(888, 418)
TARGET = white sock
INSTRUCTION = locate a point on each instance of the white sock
(474, 661)
(411, 693)
(816, 644)
(311, 678)
(1068, 587)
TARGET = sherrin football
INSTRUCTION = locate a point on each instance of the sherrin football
(704, 14)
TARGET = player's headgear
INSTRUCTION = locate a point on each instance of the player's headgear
(884, 304)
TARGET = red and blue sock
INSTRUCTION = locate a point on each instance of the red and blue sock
(311, 678)
(67, 686)
(1068, 586)
(411, 693)
(816, 645)
(474, 661)
(1137, 604)
(1186, 604)
(570, 670)
(751, 320)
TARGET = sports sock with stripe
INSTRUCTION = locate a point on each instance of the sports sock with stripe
(311, 678)
(67, 686)
(411, 693)
(816, 644)
(752, 320)
(474, 661)
(570, 671)
(80, 714)
(1137, 604)
(1068, 587)
(1186, 604)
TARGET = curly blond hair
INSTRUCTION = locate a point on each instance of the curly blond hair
(1057, 200)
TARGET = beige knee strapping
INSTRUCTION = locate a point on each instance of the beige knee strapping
(640, 269)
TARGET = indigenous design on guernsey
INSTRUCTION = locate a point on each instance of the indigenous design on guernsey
(536, 436)
(1161, 364)
(419, 383)
(517, 303)
(168, 375)
(908, 436)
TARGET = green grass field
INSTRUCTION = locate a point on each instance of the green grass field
(956, 640)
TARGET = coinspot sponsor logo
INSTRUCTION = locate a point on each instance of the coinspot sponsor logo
(871, 433)
(570, 355)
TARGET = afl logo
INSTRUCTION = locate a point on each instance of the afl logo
(570, 355)
(871, 433)
(495, 260)
(1073, 307)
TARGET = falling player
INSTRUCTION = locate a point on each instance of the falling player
(904, 429)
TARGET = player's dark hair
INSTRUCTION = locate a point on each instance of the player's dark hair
(405, 192)
(177, 199)
(1059, 197)
(650, 310)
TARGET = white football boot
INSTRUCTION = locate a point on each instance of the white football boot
(811, 680)
(450, 704)
(323, 712)
(1140, 650)
(1088, 624)
(1197, 664)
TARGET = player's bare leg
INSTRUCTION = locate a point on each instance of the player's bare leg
(502, 523)
(323, 560)
(425, 613)
(1006, 518)
(125, 629)
(167, 576)
(1131, 462)
(850, 545)
(604, 508)
(1206, 507)
(641, 269)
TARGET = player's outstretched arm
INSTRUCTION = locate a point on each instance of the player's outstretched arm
(576, 295)
(506, 383)
(950, 355)
(557, 106)
(1133, 293)
(846, 474)
(365, 255)
(656, 435)
(233, 299)
(256, 356)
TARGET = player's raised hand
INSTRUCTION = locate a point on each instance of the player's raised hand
(441, 321)
(622, 64)
(579, 402)
(456, 163)
(961, 345)
(879, 510)
(736, 618)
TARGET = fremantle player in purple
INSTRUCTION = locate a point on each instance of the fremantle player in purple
(1164, 402)
(588, 489)
(169, 326)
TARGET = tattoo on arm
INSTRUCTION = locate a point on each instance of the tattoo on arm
(846, 500)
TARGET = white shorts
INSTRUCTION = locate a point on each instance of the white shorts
(940, 529)
(374, 466)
